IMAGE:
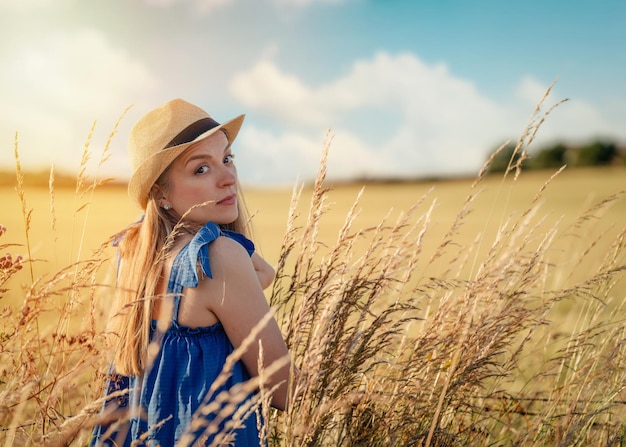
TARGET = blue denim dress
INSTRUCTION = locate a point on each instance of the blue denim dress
(164, 399)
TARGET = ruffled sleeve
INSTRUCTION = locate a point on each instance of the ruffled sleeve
(197, 250)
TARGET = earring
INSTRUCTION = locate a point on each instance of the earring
(167, 207)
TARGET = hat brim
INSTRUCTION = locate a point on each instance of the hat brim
(151, 169)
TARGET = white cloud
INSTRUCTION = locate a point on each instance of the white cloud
(282, 96)
(577, 120)
(436, 121)
(401, 83)
(573, 120)
(392, 115)
(53, 88)
(351, 157)
(422, 119)
(531, 90)
(277, 159)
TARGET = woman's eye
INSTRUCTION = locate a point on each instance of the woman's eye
(202, 169)
(229, 159)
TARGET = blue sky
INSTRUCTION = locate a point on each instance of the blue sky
(407, 88)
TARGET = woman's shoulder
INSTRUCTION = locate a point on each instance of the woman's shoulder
(208, 245)
(211, 232)
(230, 267)
(228, 252)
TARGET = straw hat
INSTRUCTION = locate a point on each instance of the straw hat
(162, 135)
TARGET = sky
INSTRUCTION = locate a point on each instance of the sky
(406, 88)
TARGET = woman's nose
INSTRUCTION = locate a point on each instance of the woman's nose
(228, 176)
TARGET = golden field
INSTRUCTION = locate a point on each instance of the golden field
(84, 221)
(447, 313)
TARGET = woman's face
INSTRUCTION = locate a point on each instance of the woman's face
(204, 173)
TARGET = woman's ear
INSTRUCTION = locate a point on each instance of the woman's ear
(158, 196)
(156, 193)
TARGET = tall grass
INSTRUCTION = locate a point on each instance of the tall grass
(398, 351)
(50, 344)
(515, 338)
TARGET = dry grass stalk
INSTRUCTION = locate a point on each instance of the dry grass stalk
(395, 345)
(26, 213)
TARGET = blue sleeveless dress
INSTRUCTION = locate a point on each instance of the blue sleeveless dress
(188, 362)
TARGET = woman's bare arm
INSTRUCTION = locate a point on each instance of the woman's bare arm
(235, 296)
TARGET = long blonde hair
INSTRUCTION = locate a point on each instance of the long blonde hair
(142, 250)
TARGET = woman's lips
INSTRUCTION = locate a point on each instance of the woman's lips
(230, 200)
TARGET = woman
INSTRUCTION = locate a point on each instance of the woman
(189, 292)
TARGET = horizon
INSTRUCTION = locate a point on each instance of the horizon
(406, 88)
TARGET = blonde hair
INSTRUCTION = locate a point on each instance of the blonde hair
(142, 251)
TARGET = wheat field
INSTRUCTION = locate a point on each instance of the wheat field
(483, 311)
(82, 224)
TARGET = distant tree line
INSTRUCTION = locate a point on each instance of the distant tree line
(597, 153)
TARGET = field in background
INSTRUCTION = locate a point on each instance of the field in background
(84, 223)
(491, 315)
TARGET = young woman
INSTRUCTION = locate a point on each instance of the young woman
(189, 292)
